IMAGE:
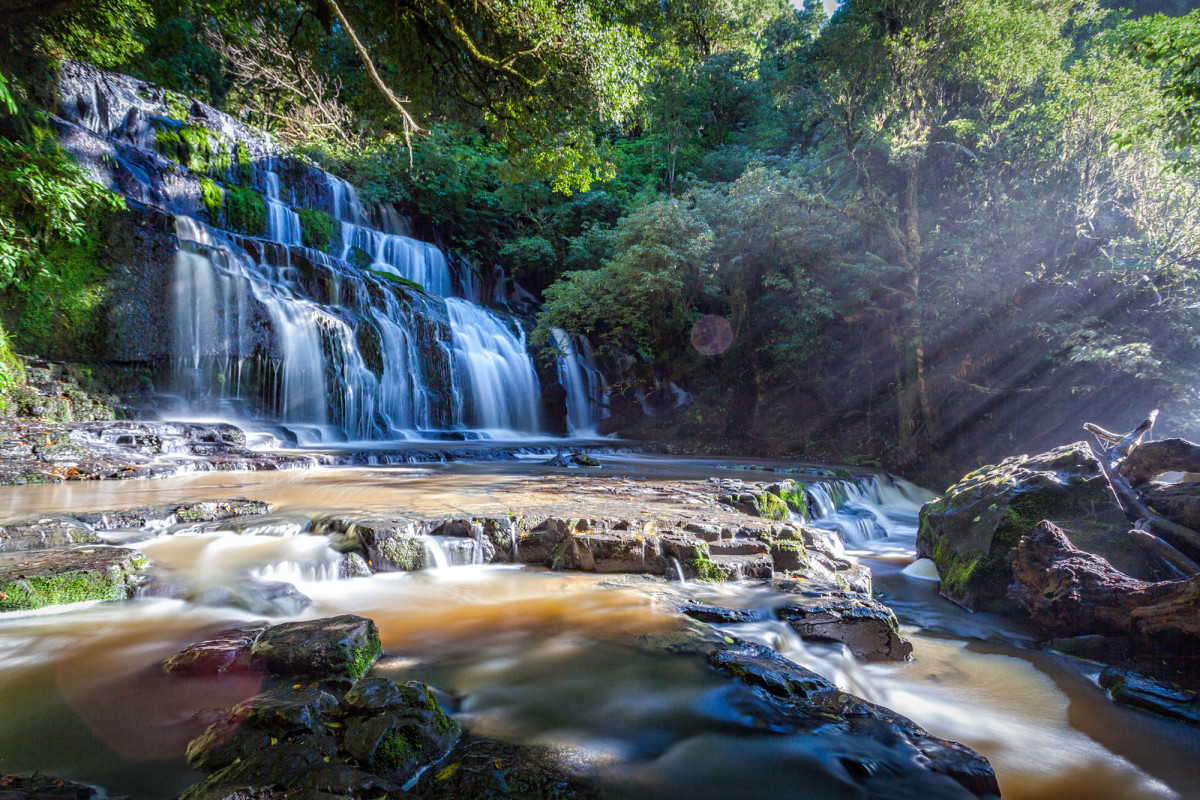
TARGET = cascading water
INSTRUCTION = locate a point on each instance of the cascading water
(583, 383)
(498, 388)
(861, 510)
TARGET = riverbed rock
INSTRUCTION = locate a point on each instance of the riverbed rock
(39, 534)
(39, 578)
(227, 651)
(487, 769)
(804, 701)
(258, 596)
(1156, 696)
(825, 613)
(339, 649)
(969, 532)
(47, 787)
(297, 739)
(218, 510)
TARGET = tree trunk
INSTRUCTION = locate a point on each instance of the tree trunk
(1152, 459)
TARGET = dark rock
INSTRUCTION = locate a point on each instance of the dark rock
(1092, 647)
(38, 534)
(969, 532)
(124, 518)
(40, 578)
(866, 626)
(744, 568)
(610, 552)
(1178, 502)
(718, 616)
(805, 701)
(486, 769)
(1158, 697)
(251, 725)
(228, 651)
(335, 648)
(217, 510)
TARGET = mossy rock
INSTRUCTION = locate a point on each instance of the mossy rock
(56, 576)
(769, 506)
(339, 649)
(793, 494)
(969, 532)
(317, 229)
(245, 211)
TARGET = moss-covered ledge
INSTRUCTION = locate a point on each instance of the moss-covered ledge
(56, 576)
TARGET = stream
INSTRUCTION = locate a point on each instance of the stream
(545, 657)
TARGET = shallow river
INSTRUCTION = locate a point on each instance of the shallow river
(551, 658)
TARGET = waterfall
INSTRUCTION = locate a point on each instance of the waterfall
(583, 382)
(283, 224)
(498, 388)
(860, 510)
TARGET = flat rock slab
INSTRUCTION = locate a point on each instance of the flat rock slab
(334, 649)
(218, 510)
(40, 578)
(1158, 697)
(39, 534)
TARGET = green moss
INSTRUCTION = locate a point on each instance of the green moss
(12, 371)
(363, 658)
(703, 566)
(241, 160)
(193, 146)
(40, 591)
(212, 197)
(405, 282)
(362, 259)
(395, 749)
(792, 493)
(177, 107)
(245, 211)
(770, 507)
(317, 229)
(405, 553)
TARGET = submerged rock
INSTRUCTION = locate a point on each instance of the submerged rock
(39, 578)
(486, 769)
(969, 532)
(268, 598)
(331, 649)
(39, 534)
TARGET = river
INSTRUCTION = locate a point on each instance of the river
(546, 657)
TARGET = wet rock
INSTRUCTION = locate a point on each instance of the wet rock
(227, 651)
(1158, 697)
(759, 503)
(48, 787)
(119, 519)
(305, 744)
(742, 568)
(268, 598)
(40, 578)
(353, 565)
(38, 534)
(1091, 647)
(866, 626)
(217, 510)
(716, 615)
(610, 552)
(804, 701)
(577, 459)
(486, 769)
(331, 649)
(386, 544)
(969, 532)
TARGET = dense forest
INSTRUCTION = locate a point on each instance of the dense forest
(916, 233)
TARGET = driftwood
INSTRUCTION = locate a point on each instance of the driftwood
(1070, 592)
(1154, 458)
(1178, 545)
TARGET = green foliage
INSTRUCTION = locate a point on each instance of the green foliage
(47, 202)
(193, 146)
(317, 229)
(12, 371)
(245, 210)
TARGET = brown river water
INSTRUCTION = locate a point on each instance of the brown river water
(542, 657)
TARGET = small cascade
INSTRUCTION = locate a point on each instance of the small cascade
(497, 388)
(283, 224)
(477, 554)
(678, 571)
(434, 554)
(861, 510)
(583, 382)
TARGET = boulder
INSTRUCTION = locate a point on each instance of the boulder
(39, 578)
(825, 613)
(339, 649)
(969, 532)
(486, 769)
(39, 534)
(268, 598)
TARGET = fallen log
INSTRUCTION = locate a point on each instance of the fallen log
(1070, 592)
(1150, 460)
